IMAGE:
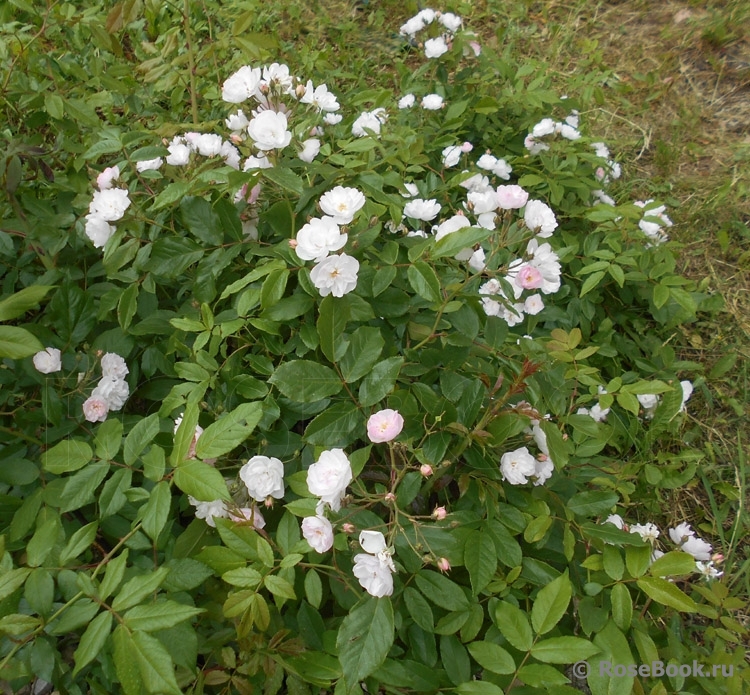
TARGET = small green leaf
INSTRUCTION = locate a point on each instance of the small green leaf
(156, 510)
(550, 604)
(622, 606)
(480, 559)
(229, 431)
(380, 381)
(80, 541)
(19, 303)
(305, 381)
(313, 588)
(92, 640)
(424, 281)
(666, 593)
(419, 609)
(492, 657)
(138, 588)
(279, 586)
(66, 456)
(563, 650)
(159, 616)
(513, 623)
(441, 591)
(201, 481)
(671, 564)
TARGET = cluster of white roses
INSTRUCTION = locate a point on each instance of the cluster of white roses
(337, 274)
(435, 47)
(112, 390)
(650, 401)
(683, 536)
(108, 205)
(567, 129)
(654, 220)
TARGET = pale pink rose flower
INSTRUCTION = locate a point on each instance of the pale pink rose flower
(444, 564)
(529, 277)
(426, 470)
(439, 513)
(95, 409)
(384, 426)
(47, 361)
(511, 197)
(318, 532)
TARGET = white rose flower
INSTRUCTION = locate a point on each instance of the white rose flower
(336, 275)
(268, 130)
(370, 120)
(310, 150)
(518, 466)
(406, 101)
(452, 155)
(277, 76)
(253, 162)
(487, 162)
(476, 183)
(342, 203)
(318, 532)
(450, 21)
(511, 197)
(539, 218)
(502, 169)
(110, 204)
(107, 177)
(114, 365)
(545, 127)
(205, 144)
(412, 27)
(432, 102)
(179, 152)
(98, 230)
(434, 48)
(546, 261)
(648, 532)
(320, 97)
(329, 476)
(373, 574)
(242, 85)
(617, 520)
(477, 260)
(482, 202)
(318, 238)
(209, 510)
(698, 548)
(649, 403)
(237, 122)
(95, 409)
(332, 118)
(264, 477)
(533, 305)
(149, 164)
(544, 471)
(113, 391)
(420, 209)
(47, 361)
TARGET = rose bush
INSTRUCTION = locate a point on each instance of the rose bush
(368, 343)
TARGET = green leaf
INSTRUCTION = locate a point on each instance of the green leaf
(285, 178)
(159, 616)
(441, 591)
(563, 650)
(201, 220)
(671, 564)
(660, 295)
(279, 586)
(457, 241)
(92, 640)
(478, 688)
(622, 606)
(538, 675)
(154, 664)
(43, 541)
(229, 431)
(333, 425)
(273, 288)
(313, 588)
(156, 510)
(19, 303)
(138, 588)
(81, 540)
(10, 580)
(171, 256)
(17, 343)
(514, 625)
(480, 559)
(127, 306)
(243, 577)
(419, 609)
(140, 437)
(492, 657)
(592, 502)
(80, 488)
(380, 381)
(201, 481)
(108, 439)
(424, 281)
(332, 319)
(365, 346)
(666, 593)
(113, 575)
(365, 637)
(305, 381)
(171, 194)
(550, 604)
(591, 282)
(455, 659)
(183, 438)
